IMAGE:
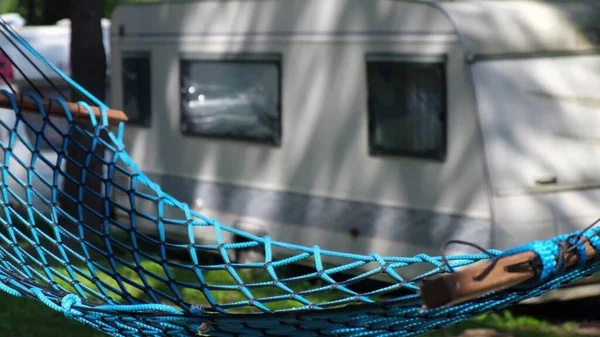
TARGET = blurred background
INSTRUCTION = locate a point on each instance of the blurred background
(359, 125)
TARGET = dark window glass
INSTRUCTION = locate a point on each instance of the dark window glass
(236, 97)
(136, 88)
(407, 106)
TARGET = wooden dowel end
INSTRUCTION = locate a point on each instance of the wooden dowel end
(53, 108)
(466, 284)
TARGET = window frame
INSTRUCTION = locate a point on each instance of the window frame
(145, 54)
(437, 59)
(272, 58)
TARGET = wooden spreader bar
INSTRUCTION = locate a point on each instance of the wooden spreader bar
(467, 283)
(53, 108)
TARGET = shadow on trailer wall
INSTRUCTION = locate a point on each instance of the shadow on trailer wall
(366, 126)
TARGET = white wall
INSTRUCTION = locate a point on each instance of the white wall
(324, 148)
(274, 16)
(549, 131)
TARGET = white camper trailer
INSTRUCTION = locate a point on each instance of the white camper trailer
(368, 126)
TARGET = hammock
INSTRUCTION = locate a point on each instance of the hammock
(103, 271)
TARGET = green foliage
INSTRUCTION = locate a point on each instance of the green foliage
(110, 5)
(8, 6)
(47, 12)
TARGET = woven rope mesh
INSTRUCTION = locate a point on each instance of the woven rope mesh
(101, 251)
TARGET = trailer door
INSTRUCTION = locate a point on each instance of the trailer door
(540, 120)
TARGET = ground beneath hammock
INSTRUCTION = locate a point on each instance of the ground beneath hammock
(573, 330)
(572, 318)
(559, 319)
(592, 329)
(575, 318)
(28, 318)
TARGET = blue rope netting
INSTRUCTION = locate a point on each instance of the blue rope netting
(103, 270)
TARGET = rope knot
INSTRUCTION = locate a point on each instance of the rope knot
(197, 309)
(67, 304)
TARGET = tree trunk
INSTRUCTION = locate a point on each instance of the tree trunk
(54, 10)
(88, 68)
(31, 17)
(88, 58)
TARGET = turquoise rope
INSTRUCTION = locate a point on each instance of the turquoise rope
(106, 278)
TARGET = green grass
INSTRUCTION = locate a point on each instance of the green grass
(24, 317)
(220, 277)
(518, 326)
(27, 317)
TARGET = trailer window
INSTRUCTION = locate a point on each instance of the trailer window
(136, 88)
(235, 97)
(407, 106)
